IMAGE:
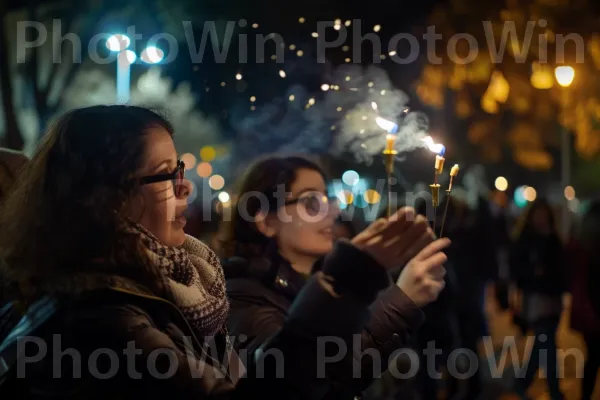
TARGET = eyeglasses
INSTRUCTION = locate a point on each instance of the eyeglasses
(315, 203)
(176, 177)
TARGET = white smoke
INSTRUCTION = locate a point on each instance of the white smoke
(339, 119)
(193, 129)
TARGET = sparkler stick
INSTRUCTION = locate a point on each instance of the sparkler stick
(389, 155)
(453, 172)
(435, 187)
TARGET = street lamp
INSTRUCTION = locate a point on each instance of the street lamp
(565, 76)
(119, 43)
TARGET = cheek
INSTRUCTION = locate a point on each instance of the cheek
(306, 236)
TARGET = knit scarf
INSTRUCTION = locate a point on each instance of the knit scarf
(194, 280)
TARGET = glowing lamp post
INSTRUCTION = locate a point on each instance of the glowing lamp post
(120, 43)
(565, 76)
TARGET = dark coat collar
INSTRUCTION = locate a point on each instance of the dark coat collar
(272, 270)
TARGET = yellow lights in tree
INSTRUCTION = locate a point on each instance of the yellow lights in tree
(499, 87)
(541, 76)
(208, 153)
(564, 75)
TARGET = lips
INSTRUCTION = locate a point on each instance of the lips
(179, 218)
(327, 231)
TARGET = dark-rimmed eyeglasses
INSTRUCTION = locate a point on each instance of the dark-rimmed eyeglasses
(315, 203)
(176, 177)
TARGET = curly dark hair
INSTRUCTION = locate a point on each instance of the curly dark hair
(240, 237)
(65, 210)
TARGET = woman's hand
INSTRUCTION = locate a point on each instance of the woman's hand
(422, 279)
(394, 241)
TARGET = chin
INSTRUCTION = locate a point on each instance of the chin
(176, 239)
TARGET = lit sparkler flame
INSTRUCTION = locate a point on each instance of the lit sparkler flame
(389, 126)
(437, 148)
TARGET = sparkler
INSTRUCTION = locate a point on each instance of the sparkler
(453, 173)
(389, 155)
(439, 168)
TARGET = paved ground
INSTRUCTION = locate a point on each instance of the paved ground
(501, 327)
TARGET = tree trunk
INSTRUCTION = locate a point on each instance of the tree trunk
(13, 138)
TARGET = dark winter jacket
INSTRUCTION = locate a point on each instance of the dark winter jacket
(537, 264)
(262, 292)
(99, 326)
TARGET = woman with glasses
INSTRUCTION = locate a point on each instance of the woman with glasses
(282, 231)
(116, 301)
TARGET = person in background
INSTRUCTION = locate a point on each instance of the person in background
(92, 238)
(11, 163)
(585, 296)
(270, 255)
(343, 229)
(537, 263)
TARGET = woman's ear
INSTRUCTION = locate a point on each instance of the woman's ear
(265, 224)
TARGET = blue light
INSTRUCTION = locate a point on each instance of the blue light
(118, 42)
(350, 177)
(152, 55)
(519, 197)
(360, 187)
(442, 150)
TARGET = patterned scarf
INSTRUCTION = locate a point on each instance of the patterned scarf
(194, 279)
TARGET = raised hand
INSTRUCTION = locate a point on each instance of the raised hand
(394, 241)
(423, 277)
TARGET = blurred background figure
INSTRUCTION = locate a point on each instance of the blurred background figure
(585, 296)
(537, 262)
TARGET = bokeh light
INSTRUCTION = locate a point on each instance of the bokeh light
(372, 196)
(189, 160)
(208, 153)
(346, 197)
(118, 42)
(501, 183)
(530, 194)
(350, 177)
(224, 197)
(519, 197)
(152, 55)
(569, 193)
(574, 205)
(216, 182)
(204, 170)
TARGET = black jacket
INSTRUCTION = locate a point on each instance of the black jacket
(538, 264)
(334, 303)
(262, 292)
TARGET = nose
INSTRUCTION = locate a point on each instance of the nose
(185, 189)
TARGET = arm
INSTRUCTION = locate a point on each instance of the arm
(328, 312)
